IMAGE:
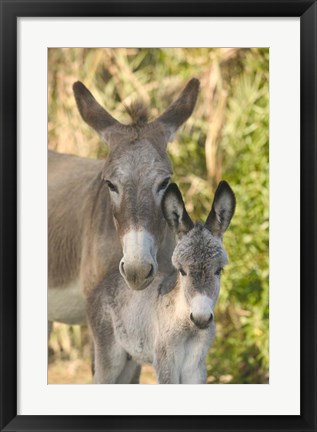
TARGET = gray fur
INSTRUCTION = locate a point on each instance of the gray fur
(163, 325)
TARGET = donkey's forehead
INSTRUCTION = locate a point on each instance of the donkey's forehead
(137, 159)
(198, 246)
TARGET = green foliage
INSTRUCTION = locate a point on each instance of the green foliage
(241, 347)
(230, 123)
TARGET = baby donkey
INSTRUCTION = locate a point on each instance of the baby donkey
(171, 323)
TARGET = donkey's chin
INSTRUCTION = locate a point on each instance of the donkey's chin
(138, 286)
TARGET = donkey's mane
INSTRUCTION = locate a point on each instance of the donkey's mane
(138, 112)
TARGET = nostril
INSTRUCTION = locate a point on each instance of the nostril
(191, 317)
(150, 274)
(211, 319)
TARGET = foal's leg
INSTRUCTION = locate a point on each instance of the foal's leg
(166, 369)
(195, 374)
(193, 369)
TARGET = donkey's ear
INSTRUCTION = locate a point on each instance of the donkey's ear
(222, 210)
(90, 110)
(175, 212)
(177, 113)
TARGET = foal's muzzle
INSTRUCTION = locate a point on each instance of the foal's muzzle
(201, 311)
(201, 323)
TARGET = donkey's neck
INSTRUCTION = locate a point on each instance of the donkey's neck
(101, 245)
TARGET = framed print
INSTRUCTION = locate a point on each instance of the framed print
(256, 64)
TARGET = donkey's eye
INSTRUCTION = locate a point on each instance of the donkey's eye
(219, 271)
(163, 185)
(111, 186)
(182, 272)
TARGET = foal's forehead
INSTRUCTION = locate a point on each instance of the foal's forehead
(141, 159)
(199, 246)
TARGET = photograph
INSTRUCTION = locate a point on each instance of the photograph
(158, 216)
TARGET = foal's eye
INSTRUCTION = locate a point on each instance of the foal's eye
(219, 271)
(111, 186)
(163, 185)
(182, 272)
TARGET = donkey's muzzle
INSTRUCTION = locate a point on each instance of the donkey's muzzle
(138, 265)
(137, 276)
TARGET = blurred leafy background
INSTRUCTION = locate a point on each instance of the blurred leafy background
(227, 137)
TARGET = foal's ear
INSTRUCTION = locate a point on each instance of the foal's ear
(91, 111)
(222, 210)
(175, 212)
(177, 113)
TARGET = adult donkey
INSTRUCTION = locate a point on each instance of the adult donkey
(103, 214)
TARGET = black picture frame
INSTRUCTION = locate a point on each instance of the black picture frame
(10, 11)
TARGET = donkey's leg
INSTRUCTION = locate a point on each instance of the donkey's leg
(92, 355)
(130, 374)
(49, 329)
(109, 363)
(109, 357)
(136, 376)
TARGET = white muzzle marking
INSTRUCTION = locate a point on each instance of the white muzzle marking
(201, 307)
(138, 246)
(138, 265)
